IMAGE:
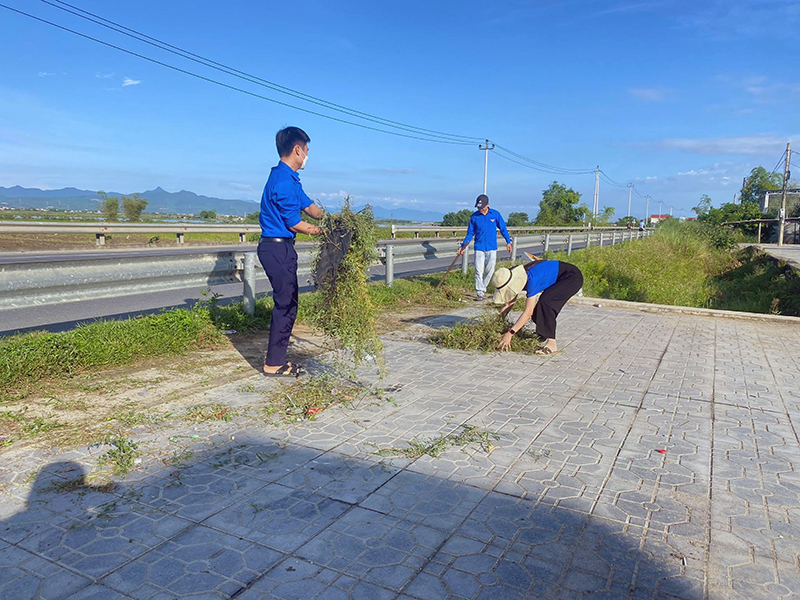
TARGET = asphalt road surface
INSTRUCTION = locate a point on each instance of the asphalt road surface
(65, 316)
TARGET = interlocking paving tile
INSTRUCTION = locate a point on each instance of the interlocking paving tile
(200, 563)
(653, 457)
(296, 579)
(279, 517)
(430, 501)
(339, 478)
(196, 495)
(374, 547)
(24, 575)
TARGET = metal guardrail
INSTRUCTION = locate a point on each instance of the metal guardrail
(453, 231)
(24, 285)
(101, 230)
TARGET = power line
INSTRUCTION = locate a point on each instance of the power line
(142, 37)
(232, 87)
(780, 160)
(417, 133)
(545, 167)
(610, 181)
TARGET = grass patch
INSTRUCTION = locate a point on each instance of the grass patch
(675, 266)
(32, 357)
(210, 412)
(307, 397)
(758, 283)
(17, 425)
(134, 417)
(121, 456)
(483, 335)
(437, 446)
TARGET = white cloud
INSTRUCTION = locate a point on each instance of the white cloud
(245, 187)
(748, 145)
(651, 94)
(128, 81)
(100, 75)
(45, 74)
(738, 19)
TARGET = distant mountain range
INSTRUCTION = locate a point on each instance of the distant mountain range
(163, 202)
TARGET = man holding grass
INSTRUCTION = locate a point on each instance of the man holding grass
(281, 204)
(483, 226)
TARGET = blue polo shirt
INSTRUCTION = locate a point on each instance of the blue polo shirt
(541, 276)
(281, 202)
(484, 229)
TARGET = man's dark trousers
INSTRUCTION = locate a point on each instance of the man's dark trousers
(279, 260)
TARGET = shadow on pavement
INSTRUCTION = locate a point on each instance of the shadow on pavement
(257, 519)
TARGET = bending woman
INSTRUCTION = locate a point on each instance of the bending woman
(556, 281)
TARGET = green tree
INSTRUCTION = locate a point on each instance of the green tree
(457, 219)
(758, 182)
(604, 217)
(109, 206)
(133, 207)
(208, 214)
(733, 212)
(559, 206)
(703, 206)
(625, 221)
(518, 219)
(252, 217)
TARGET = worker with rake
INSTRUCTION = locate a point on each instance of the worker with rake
(483, 226)
(548, 284)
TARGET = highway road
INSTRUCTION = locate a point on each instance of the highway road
(65, 316)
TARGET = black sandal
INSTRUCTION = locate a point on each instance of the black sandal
(287, 370)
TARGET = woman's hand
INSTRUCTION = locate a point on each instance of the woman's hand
(505, 341)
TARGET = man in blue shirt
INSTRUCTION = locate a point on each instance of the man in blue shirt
(483, 225)
(281, 203)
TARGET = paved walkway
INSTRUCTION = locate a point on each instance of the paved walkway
(788, 252)
(653, 458)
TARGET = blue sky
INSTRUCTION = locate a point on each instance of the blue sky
(680, 98)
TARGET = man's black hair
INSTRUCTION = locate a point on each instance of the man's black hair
(289, 137)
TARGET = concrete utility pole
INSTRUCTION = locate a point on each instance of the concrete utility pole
(596, 203)
(659, 210)
(670, 211)
(647, 209)
(630, 186)
(783, 193)
(486, 148)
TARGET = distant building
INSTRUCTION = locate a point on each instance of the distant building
(658, 218)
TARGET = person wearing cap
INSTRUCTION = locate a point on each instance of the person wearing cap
(548, 284)
(281, 204)
(483, 226)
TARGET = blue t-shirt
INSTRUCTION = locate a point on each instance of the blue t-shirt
(484, 229)
(281, 202)
(541, 276)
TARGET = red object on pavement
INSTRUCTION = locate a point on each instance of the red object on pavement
(662, 451)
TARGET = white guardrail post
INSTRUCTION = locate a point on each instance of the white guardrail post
(249, 283)
(514, 249)
(465, 261)
(389, 264)
(569, 244)
(546, 242)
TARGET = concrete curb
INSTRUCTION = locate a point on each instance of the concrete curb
(681, 310)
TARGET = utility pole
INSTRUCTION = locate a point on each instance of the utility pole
(486, 148)
(659, 210)
(630, 185)
(596, 203)
(670, 211)
(783, 194)
(647, 209)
